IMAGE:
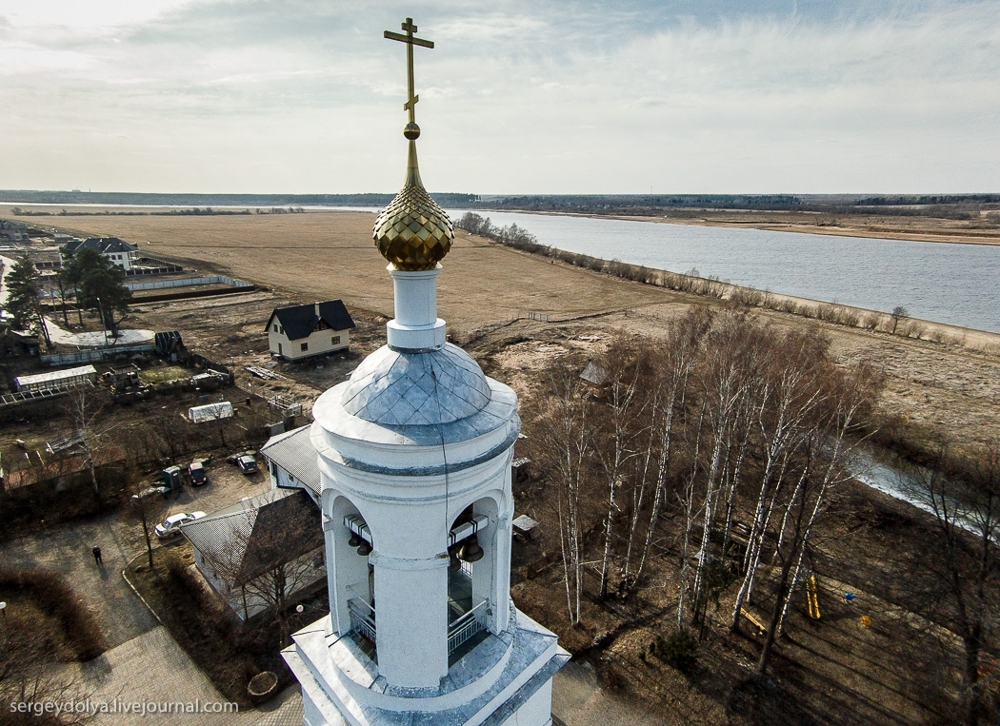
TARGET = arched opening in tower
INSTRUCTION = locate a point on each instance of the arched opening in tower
(471, 572)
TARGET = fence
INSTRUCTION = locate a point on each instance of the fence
(361, 622)
(152, 266)
(466, 626)
(187, 282)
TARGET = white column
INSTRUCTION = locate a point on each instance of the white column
(416, 325)
(411, 606)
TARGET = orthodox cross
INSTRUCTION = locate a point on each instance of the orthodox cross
(410, 41)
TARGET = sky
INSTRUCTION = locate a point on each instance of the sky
(533, 97)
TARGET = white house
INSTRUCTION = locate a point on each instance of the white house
(244, 550)
(301, 331)
(120, 253)
(291, 462)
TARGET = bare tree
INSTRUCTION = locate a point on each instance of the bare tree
(144, 503)
(560, 442)
(898, 313)
(677, 357)
(617, 445)
(84, 405)
(966, 508)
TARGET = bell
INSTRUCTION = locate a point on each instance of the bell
(355, 540)
(454, 564)
(364, 549)
(471, 551)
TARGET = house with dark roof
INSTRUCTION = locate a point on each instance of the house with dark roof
(260, 545)
(302, 331)
(118, 252)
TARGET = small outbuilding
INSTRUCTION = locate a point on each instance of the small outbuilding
(291, 462)
(66, 378)
(302, 331)
(210, 412)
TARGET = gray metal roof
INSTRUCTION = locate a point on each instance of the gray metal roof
(429, 388)
(104, 245)
(276, 526)
(55, 376)
(293, 451)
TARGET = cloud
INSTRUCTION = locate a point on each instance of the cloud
(691, 95)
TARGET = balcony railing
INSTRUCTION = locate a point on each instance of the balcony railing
(362, 618)
(460, 631)
(466, 627)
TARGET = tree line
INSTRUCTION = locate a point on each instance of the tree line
(725, 438)
(704, 460)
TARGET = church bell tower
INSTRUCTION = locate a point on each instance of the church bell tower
(414, 454)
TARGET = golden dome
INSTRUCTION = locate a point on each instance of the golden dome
(413, 232)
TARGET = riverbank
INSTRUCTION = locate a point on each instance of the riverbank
(517, 313)
(981, 230)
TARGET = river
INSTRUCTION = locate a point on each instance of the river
(958, 284)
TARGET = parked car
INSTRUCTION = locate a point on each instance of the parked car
(154, 491)
(196, 471)
(171, 526)
(246, 463)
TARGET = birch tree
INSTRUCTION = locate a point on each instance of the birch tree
(560, 442)
(677, 356)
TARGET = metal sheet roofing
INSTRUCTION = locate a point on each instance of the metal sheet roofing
(293, 451)
(55, 376)
(401, 388)
(257, 533)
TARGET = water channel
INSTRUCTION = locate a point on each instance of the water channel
(946, 283)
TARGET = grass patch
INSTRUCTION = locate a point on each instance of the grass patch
(163, 374)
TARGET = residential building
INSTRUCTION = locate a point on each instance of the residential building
(291, 462)
(303, 331)
(122, 254)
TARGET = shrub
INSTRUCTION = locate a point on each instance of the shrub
(871, 321)
(57, 597)
(679, 650)
(746, 297)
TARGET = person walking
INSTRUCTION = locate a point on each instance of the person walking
(97, 556)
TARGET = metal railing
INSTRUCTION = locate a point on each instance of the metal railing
(362, 617)
(466, 626)
(361, 622)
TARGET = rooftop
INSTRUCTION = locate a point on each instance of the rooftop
(299, 321)
(403, 388)
(293, 451)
